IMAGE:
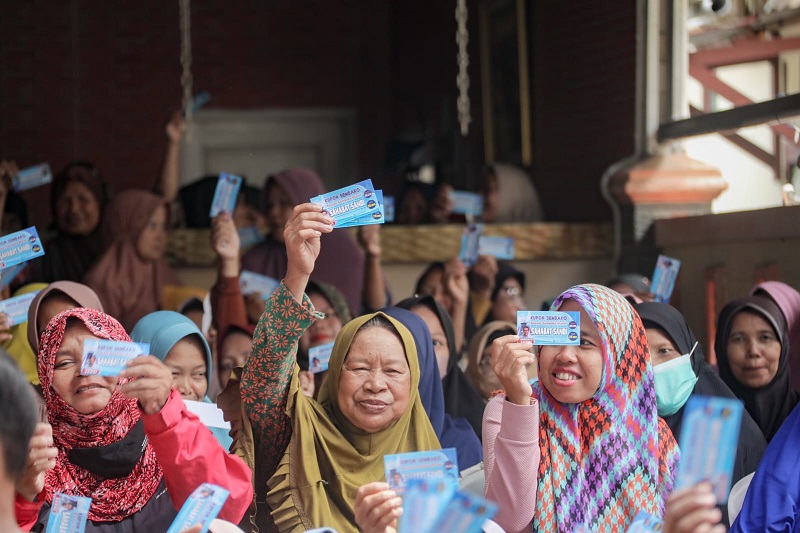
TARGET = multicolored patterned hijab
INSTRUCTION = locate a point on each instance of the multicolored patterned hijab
(112, 498)
(609, 457)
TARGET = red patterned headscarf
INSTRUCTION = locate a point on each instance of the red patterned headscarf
(112, 499)
(611, 456)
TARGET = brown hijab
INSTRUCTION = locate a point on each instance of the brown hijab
(82, 295)
(482, 338)
(340, 262)
(129, 286)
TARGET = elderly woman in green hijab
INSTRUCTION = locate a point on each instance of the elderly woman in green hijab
(314, 455)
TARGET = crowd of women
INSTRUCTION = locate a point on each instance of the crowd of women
(568, 436)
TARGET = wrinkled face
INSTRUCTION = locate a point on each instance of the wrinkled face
(509, 300)
(235, 351)
(85, 394)
(322, 331)
(662, 349)
(572, 374)
(77, 210)
(53, 304)
(153, 240)
(187, 361)
(279, 210)
(437, 335)
(754, 350)
(375, 381)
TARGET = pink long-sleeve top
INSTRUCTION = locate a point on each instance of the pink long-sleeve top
(511, 461)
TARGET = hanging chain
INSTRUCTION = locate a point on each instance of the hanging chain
(462, 79)
(186, 56)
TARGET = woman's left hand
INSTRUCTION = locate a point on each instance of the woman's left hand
(377, 508)
(151, 383)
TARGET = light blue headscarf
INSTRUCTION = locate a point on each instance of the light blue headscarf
(163, 330)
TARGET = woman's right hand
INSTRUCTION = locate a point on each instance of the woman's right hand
(41, 458)
(225, 242)
(377, 508)
(510, 359)
(302, 237)
(693, 510)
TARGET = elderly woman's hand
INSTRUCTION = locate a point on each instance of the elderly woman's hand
(150, 383)
(41, 458)
(302, 237)
(377, 508)
(693, 510)
(510, 359)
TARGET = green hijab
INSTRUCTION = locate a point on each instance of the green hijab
(328, 458)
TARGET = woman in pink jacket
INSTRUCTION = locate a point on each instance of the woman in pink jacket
(129, 443)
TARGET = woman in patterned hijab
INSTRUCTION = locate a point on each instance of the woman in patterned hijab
(602, 454)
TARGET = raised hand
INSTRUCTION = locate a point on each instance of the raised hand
(693, 510)
(510, 358)
(302, 237)
(41, 458)
(151, 383)
(226, 243)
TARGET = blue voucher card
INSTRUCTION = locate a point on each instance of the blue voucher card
(500, 247)
(248, 236)
(201, 507)
(17, 307)
(7, 275)
(226, 194)
(388, 208)
(68, 514)
(318, 357)
(708, 443)
(465, 513)
(470, 242)
(251, 283)
(664, 278)
(18, 247)
(103, 357)
(432, 465)
(376, 216)
(549, 328)
(31, 177)
(466, 203)
(351, 202)
(423, 503)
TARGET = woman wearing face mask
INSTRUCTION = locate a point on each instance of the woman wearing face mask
(680, 371)
(752, 349)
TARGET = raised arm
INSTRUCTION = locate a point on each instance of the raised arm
(511, 438)
(269, 370)
(374, 294)
(168, 182)
(227, 302)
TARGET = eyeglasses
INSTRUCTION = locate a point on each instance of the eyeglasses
(512, 292)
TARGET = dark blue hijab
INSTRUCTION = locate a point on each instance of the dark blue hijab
(452, 432)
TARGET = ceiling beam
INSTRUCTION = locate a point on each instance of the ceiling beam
(744, 51)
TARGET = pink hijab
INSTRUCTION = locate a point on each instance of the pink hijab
(340, 262)
(788, 300)
(129, 286)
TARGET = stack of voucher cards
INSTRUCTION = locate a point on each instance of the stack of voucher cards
(645, 523)
(17, 307)
(708, 443)
(500, 247)
(466, 203)
(664, 278)
(423, 502)
(355, 205)
(31, 177)
(549, 328)
(429, 507)
(318, 357)
(251, 283)
(68, 514)
(470, 244)
(433, 465)
(20, 247)
(201, 507)
(226, 195)
(103, 357)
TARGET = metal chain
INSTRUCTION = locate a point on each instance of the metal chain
(462, 79)
(186, 56)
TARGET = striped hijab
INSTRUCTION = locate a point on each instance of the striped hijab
(609, 457)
